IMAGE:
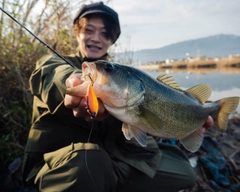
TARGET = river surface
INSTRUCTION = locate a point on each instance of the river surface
(223, 85)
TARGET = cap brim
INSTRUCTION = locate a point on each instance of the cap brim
(95, 12)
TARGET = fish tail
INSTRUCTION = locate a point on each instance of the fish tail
(227, 106)
(92, 101)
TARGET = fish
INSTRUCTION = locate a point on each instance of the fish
(157, 107)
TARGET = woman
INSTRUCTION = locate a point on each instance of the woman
(66, 151)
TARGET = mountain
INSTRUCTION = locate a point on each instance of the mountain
(220, 45)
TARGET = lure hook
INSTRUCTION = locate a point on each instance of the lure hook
(89, 75)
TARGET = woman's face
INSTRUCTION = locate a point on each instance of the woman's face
(92, 40)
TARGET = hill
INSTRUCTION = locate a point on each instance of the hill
(220, 45)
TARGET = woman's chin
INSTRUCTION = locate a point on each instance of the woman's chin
(94, 55)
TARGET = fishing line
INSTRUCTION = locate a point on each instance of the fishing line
(89, 172)
(45, 44)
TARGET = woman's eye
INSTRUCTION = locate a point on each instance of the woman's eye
(104, 34)
(88, 30)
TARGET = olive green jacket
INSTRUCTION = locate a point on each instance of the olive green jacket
(54, 126)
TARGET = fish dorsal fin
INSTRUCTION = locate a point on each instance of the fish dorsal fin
(168, 80)
(193, 141)
(201, 92)
(131, 131)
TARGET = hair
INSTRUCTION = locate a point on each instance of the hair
(112, 29)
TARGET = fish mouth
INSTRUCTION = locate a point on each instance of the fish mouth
(89, 71)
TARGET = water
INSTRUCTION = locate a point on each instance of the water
(223, 85)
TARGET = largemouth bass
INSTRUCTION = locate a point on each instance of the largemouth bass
(156, 107)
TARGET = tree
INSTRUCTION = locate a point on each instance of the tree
(49, 20)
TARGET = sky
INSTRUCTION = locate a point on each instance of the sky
(148, 24)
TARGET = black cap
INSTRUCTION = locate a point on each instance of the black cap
(98, 7)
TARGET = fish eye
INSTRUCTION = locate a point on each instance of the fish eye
(108, 67)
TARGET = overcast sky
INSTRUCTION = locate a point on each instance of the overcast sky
(155, 23)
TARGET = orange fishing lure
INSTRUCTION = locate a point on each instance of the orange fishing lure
(92, 101)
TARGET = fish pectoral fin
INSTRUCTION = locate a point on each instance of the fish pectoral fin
(193, 141)
(201, 92)
(168, 80)
(155, 122)
(126, 131)
(131, 131)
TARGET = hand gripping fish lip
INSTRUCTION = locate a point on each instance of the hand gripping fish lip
(89, 76)
(91, 98)
(87, 71)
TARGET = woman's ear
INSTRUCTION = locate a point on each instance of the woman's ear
(78, 38)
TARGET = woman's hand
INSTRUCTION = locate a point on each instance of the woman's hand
(208, 124)
(78, 104)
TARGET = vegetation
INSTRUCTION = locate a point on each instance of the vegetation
(47, 19)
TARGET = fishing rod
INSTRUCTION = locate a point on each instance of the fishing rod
(45, 44)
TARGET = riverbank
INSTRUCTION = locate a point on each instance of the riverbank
(217, 163)
(230, 64)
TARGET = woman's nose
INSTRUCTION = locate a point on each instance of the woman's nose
(95, 37)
